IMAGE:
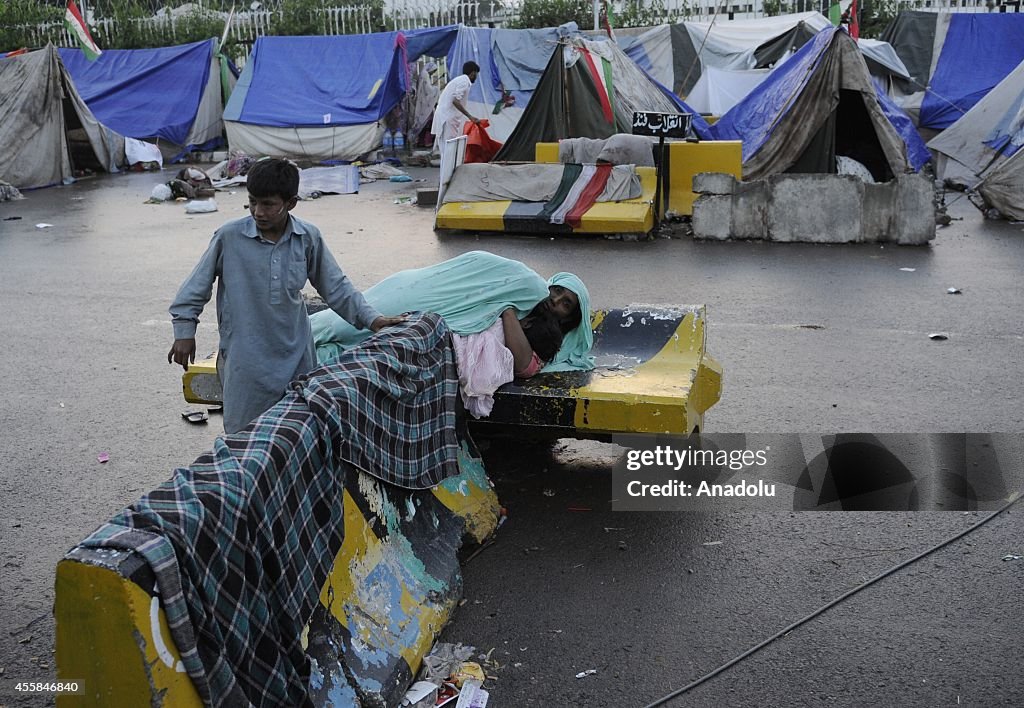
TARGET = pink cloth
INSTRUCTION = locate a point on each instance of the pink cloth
(484, 363)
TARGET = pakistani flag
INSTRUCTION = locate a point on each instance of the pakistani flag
(76, 26)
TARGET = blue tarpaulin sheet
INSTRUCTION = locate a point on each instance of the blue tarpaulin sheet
(754, 118)
(475, 44)
(979, 51)
(330, 80)
(918, 153)
(144, 93)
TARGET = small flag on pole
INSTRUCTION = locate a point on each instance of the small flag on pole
(76, 26)
(854, 23)
(608, 19)
(835, 13)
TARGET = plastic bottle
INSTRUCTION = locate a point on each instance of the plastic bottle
(399, 141)
(389, 141)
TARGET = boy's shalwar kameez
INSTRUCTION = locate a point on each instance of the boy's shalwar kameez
(265, 338)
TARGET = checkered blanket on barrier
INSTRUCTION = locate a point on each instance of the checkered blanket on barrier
(242, 541)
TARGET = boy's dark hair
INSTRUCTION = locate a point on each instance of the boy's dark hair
(544, 335)
(273, 177)
(470, 66)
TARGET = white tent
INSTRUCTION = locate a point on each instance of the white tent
(718, 90)
(46, 129)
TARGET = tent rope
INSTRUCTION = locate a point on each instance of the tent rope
(696, 59)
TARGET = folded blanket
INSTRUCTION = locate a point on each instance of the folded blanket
(242, 541)
(486, 182)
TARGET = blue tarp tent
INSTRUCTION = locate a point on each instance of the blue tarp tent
(171, 94)
(324, 97)
(818, 105)
(958, 56)
(979, 52)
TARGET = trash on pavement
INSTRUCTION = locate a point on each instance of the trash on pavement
(400, 178)
(443, 660)
(584, 674)
(954, 291)
(712, 543)
(403, 200)
(161, 193)
(908, 270)
(201, 206)
(1012, 557)
(422, 694)
(103, 457)
(43, 226)
(938, 336)
(468, 671)
(8, 192)
(379, 171)
(472, 695)
(549, 492)
(195, 417)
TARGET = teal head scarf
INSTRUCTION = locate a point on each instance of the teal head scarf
(575, 352)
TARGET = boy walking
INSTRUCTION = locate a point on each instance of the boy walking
(261, 263)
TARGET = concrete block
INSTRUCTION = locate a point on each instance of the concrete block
(750, 210)
(815, 208)
(426, 196)
(712, 217)
(877, 213)
(714, 183)
(915, 210)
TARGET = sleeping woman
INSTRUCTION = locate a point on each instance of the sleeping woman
(471, 292)
(509, 349)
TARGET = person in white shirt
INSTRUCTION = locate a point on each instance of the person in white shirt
(451, 114)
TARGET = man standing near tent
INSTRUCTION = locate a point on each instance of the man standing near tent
(451, 114)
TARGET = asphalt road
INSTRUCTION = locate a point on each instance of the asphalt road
(812, 339)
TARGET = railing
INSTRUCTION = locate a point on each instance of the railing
(248, 26)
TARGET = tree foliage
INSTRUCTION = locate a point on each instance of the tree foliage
(534, 14)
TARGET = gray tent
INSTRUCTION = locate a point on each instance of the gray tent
(46, 129)
(1003, 187)
(985, 148)
(968, 149)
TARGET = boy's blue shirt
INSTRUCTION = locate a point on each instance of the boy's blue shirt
(265, 338)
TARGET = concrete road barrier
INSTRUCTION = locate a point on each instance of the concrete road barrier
(393, 586)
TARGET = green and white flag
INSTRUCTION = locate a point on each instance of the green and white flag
(835, 12)
(76, 26)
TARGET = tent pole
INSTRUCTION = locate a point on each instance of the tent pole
(597, 14)
(658, 174)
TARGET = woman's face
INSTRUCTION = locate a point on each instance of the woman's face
(562, 302)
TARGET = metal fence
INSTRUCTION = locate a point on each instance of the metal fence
(248, 26)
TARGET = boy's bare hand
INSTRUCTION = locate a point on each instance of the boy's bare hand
(182, 352)
(382, 322)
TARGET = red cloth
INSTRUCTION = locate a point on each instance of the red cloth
(480, 147)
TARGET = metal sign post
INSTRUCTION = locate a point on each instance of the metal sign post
(661, 125)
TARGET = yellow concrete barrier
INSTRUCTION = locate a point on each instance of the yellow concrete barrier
(652, 375)
(393, 586)
(684, 161)
(628, 216)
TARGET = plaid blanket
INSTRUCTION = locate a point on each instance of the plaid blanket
(242, 541)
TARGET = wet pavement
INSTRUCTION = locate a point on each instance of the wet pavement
(812, 338)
